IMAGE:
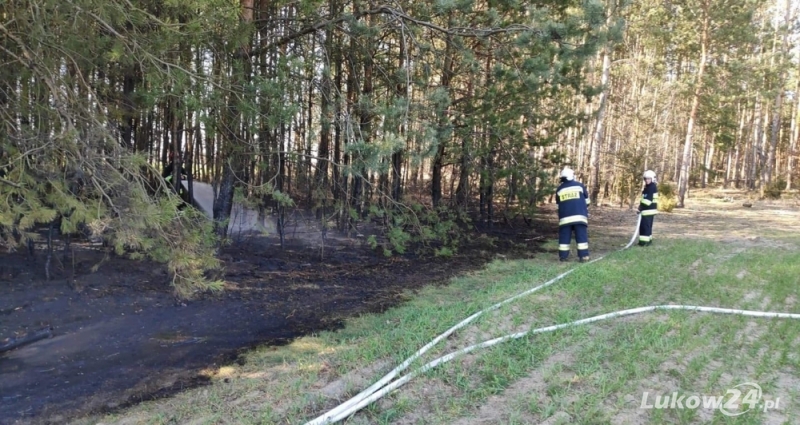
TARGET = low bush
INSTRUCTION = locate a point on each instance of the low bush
(667, 199)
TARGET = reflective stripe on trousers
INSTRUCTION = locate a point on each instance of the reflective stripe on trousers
(581, 238)
(573, 219)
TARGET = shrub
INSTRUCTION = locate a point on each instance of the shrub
(775, 189)
(667, 199)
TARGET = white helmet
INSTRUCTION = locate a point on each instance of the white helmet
(568, 174)
(650, 174)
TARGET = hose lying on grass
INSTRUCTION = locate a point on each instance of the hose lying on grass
(444, 359)
(345, 407)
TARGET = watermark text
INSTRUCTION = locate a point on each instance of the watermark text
(736, 401)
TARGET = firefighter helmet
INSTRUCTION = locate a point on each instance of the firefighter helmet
(568, 174)
(650, 174)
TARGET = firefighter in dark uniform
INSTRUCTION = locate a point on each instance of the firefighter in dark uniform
(168, 170)
(648, 208)
(168, 176)
(573, 216)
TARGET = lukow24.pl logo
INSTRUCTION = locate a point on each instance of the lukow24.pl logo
(736, 401)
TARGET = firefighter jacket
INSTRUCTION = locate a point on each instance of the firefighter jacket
(167, 173)
(649, 203)
(573, 201)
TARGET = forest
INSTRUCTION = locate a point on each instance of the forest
(417, 118)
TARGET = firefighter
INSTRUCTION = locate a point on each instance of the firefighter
(167, 175)
(168, 170)
(572, 199)
(648, 208)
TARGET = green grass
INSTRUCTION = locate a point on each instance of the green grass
(594, 374)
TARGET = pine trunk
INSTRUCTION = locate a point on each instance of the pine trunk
(686, 158)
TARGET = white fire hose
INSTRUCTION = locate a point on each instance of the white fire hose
(372, 393)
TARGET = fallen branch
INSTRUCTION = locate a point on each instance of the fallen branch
(10, 183)
(13, 343)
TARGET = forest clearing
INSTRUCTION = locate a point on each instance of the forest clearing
(204, 199)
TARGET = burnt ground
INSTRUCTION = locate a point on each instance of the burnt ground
(120, 336)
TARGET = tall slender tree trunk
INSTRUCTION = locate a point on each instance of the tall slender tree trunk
(326, 91)
(686, 158)
(339, 192)
(597, 138)
(709, 158)
(793, 136)
(729, 169)
(447, 73)
(305, 155)
(177, 131)
(366, 116)
(735, 172)
(129, 107)
(462, 190)
(777, 108)
(487, 160)
(755, 141)
(402, 92)
(762, 144)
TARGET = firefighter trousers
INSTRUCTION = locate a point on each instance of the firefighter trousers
(646, 230)
(581, 232)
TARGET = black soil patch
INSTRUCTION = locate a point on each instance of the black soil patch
(120, 336)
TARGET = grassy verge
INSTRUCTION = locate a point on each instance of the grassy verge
(598, 373)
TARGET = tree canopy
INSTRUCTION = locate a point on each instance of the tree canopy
(417, 115)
